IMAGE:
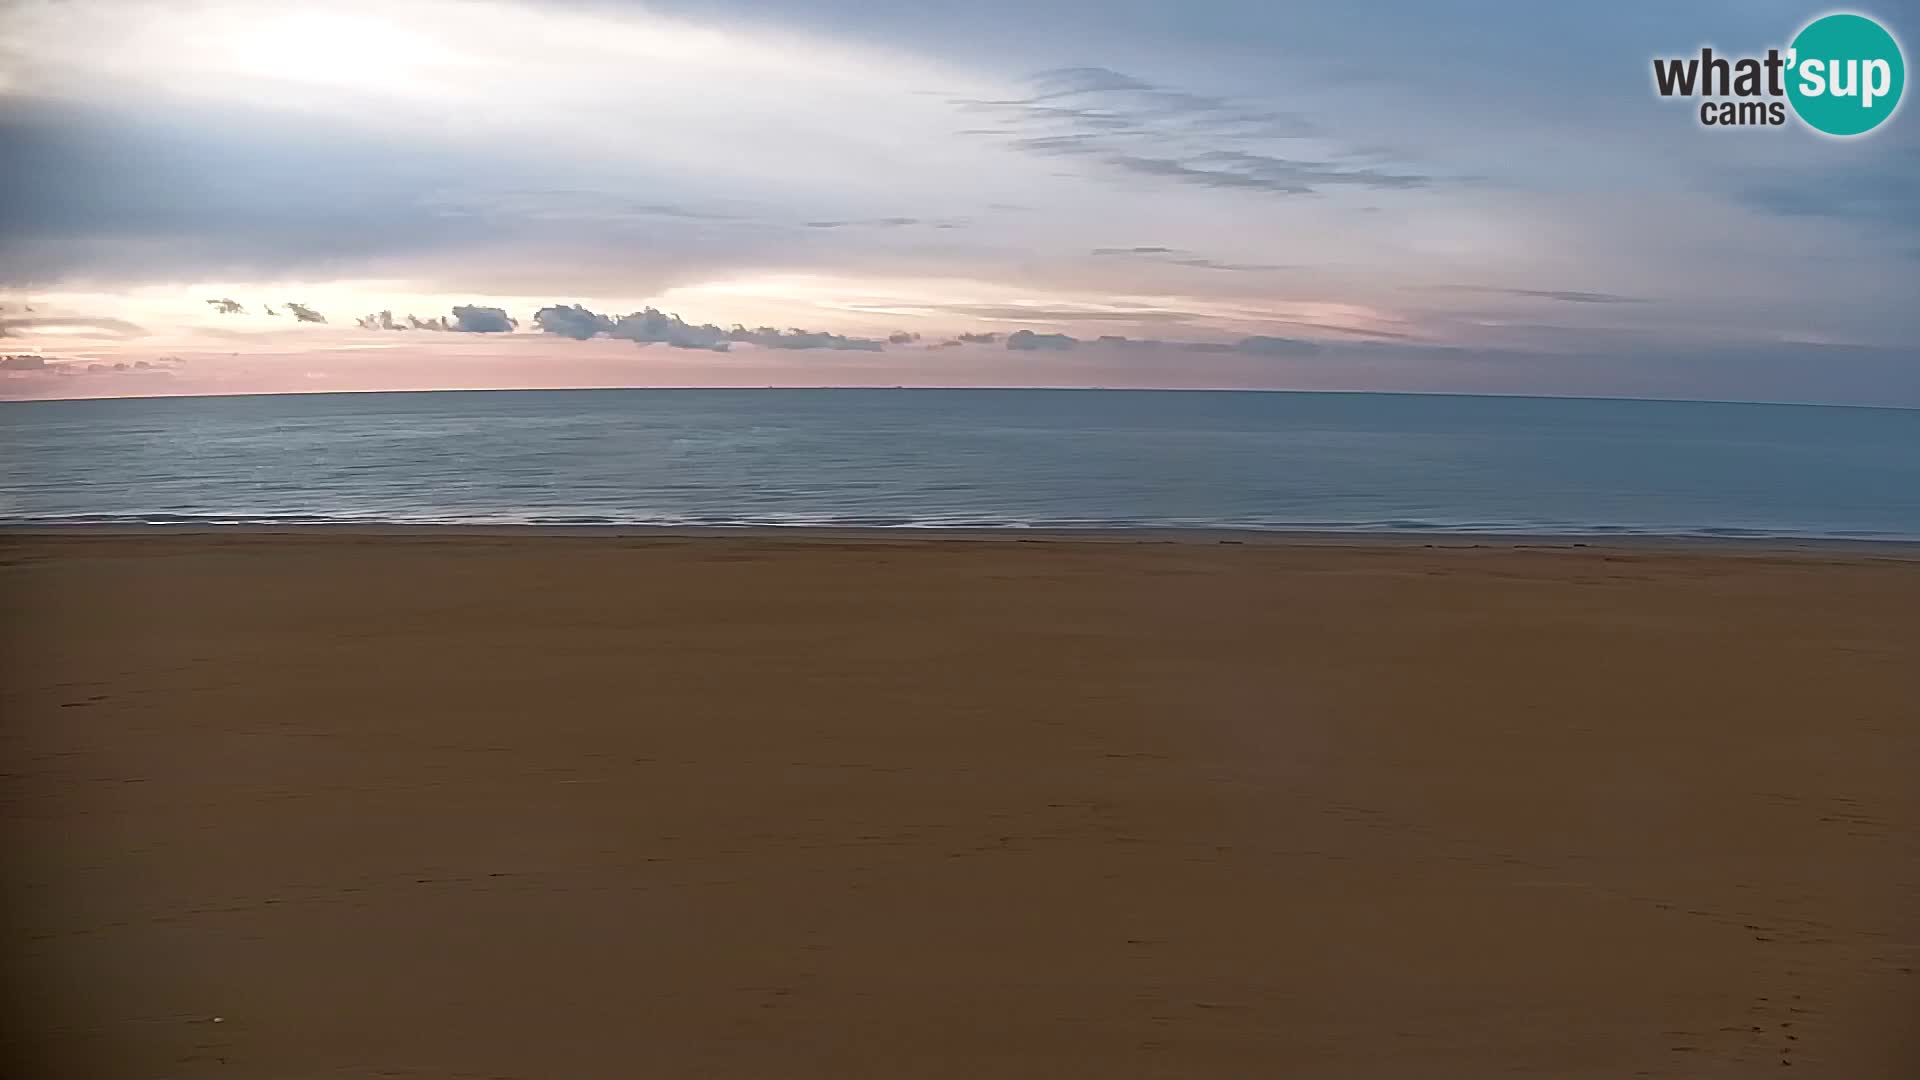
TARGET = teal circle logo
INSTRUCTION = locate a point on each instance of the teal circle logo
(1845, 74)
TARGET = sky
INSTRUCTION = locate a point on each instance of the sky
(234, 197)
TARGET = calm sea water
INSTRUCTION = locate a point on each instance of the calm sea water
(1042, 458)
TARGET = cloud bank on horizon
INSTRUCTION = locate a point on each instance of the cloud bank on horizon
(1384, 196)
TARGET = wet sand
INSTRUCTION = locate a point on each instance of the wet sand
(440, 804)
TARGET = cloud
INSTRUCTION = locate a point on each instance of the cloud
(1176, 257)
(1237, 268)
(874, 223)
(26, 362)
(1262, 172)
(303, 313)
(1028, 341)
(1565, 296)
(228, 306)
(572, 321)
(1258, 345)
(902, 338)
(482, 320)
(560, 205)
(1122, 102)
(1068, 82)
(653, 326)
(768, 338)
(1570, 296)
(1130, 125)
(1263, 345)
(490, 321)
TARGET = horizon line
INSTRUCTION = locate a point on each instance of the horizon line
(993, 389)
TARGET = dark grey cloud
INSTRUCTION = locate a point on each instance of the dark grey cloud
(1572, 296)
(556, 205)
(1218, 178)
(1131, 103)
(902, 337)
(466, 319)
(572, 321)
(886, 223)
(1565, 296)
(653, 326)
(1262, 172)
(1256, 345)
(1067, 82)
(229, 306)
(1028, 341)
(1176, 257)
(1060, 145)
(1266, 345)
(1132, 126)
(1229, 267)
(482, 320)
(303, 313)
(769, 338)
(36, 374)
(882, 223)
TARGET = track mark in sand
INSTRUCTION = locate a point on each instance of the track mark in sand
(1761, 928)
(1774, 1031)
(1772, 1028)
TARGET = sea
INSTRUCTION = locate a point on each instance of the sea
(920, 458)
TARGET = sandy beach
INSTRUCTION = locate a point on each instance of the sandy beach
(438, 804)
